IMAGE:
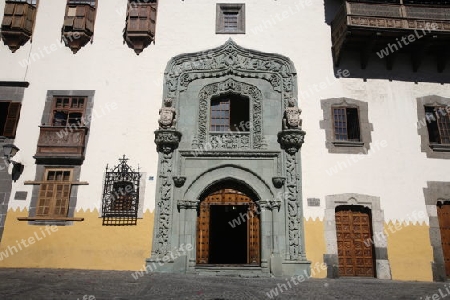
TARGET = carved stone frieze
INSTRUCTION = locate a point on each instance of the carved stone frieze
(230, 140)
(291, 140)
(230, 59)
(167, 140)
(187, 204)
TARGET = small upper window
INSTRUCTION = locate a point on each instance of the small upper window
(230, 18)
(230, 113)
(346, 124)
(438, 124)
(9, 117)
(68, 111)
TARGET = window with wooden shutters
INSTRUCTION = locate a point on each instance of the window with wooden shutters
(438, 124)
(140, 24)
(78, 28)
(18, 23)
(9, 118)
(230, 18)
(54, 193)
(346, 124)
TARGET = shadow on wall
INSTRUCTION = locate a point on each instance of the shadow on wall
(409, 63)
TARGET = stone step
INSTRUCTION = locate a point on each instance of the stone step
(232, 271)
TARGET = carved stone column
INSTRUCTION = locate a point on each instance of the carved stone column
(166, 140)
(291, 141)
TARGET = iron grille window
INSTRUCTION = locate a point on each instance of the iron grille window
(230, 18)
(68, 111)
(54, 193)
(230, 113)
(121, 195)
(438, 124)
(9, 117)
(346, 124)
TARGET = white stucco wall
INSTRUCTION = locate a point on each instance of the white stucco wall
(296, 29)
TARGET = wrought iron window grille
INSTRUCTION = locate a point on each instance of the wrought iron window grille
(120, 202)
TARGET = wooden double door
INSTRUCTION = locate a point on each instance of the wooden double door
(228, 229)
(355, 243)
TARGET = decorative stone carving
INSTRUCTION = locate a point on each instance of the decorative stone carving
(187, 204)
(167, 140)
(167, 115)
(292, 203)
(229, 141)
(278, 181)
(291, 117)
(230, 59)
(291, 140)
(179, 180)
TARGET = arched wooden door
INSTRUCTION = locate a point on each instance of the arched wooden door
(228, 229)
(354, 238)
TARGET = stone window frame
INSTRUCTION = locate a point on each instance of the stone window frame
(347, 147)
(382, 265)
(432, 150)
(436, 192)
(238, 8)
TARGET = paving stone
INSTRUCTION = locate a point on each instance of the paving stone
(89, 285)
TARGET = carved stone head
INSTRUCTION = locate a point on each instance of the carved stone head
(168, 102)
(291, 102)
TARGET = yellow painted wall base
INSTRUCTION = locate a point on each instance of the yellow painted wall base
(409, 251)
(315, 246)
(89, 245)
(83, 245)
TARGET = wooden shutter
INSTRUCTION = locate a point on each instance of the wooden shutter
(11, 120)
(54, 195)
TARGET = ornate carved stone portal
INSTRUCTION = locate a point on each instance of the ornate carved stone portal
(253, 94)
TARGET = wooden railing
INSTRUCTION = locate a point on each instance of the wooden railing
(56, 142)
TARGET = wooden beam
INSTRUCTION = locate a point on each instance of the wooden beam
(49, 219)
(367, 50)
(31, 182)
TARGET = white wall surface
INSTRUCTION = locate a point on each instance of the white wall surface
(297, 29)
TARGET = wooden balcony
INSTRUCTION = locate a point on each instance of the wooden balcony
(78, 28)
(59, 144)
(141, 25)
(412, 29)
(18, 23)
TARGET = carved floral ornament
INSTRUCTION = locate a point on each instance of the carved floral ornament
(230, 59)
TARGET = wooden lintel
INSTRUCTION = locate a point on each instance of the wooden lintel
(31, 182)
(50, 219)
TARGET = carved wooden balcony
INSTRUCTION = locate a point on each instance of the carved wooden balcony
(415, 29)
(78, 28)
(60, 144)
(17, 24)
(141, 24)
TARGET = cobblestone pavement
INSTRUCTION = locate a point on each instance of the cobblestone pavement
(98, 285)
